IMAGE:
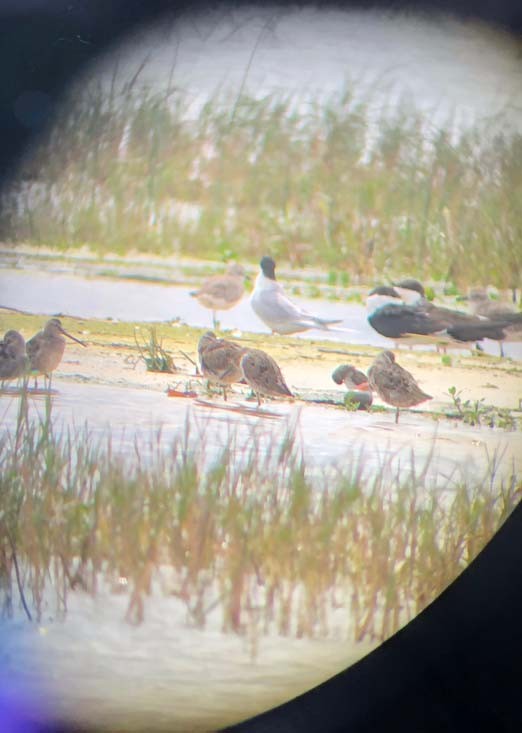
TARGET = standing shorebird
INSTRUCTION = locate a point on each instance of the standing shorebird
(45, 349)
(263, 375)
(13, 358)
(222, 292)
(394, 384)
(219, 360)
(482, 306)
(272, 306)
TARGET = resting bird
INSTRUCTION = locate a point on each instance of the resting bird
(222, 292)
(390, 316)
(45, 349)
(394, 384)
(263, 375)
(219, 360)
(13, 359)
(272, 306)
(356, 382)
(351, 377)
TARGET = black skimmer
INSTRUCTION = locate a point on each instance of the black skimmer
(390, 316)
(222, 292)
(394, 384)
(276, 310)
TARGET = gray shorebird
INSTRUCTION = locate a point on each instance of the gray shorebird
(276, 310)
(45, 349)
(356, 382)
(13, 358)
(394, 384)
(222, 292)
(219, 360)
(263, 375)
(481, 305)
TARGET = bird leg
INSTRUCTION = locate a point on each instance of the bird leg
(501, 343)
(225, 392)
(396, 415)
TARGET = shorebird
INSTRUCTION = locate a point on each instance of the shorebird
(423, 322)
(394, 384)
(45, 349)
(351, 377)
(356, 382)
(481, 305)
(263, 375)
(222, 292)
(219, 360)
(276, 310)
(13, 358)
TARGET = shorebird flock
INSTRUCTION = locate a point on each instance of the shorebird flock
(399, 311)
(40, 355)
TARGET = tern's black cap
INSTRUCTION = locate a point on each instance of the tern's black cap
(268, 265)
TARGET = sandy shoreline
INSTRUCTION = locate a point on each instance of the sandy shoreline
(307, 365)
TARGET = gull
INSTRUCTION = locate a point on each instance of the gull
(13, 358)
(222, 292)
(394, 384)
(276, 310)
(219, 360)
(45, 349)
(263, 375)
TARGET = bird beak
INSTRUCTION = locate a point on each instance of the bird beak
(364, 387)
(73, 338)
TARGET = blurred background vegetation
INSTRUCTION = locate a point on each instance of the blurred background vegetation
(326, 185)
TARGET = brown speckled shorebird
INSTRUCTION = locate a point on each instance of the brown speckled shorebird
(13, 358)
(222, 292)
(219, 360)
(45, 349)
(356, 383)
(394, 384)
(263, 375)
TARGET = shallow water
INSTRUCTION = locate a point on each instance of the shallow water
(151, 421)
(450, 68)
(52, 293)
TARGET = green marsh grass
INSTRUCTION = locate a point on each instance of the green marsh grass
(329, 186)
(275, 545)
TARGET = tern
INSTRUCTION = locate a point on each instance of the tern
(276, 310)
